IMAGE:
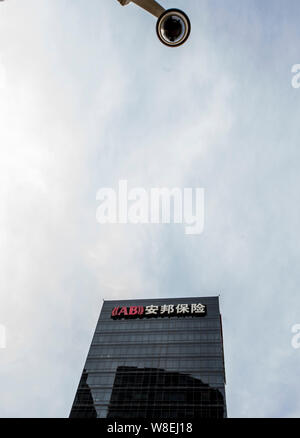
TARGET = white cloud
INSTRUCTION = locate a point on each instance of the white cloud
(87, 103)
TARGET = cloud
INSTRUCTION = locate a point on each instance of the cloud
(91, 97)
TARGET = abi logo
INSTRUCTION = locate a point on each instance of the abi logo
(132, 311)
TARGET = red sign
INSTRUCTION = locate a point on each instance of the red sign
(132, 311)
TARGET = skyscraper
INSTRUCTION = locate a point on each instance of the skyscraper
(155, 358)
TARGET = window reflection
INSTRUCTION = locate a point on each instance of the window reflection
(153, 392)
(83, 405)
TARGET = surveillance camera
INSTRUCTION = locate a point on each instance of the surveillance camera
(173, 27)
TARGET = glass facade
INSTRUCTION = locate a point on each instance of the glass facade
(160, 364)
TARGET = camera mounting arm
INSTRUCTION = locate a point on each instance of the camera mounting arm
(149, 5)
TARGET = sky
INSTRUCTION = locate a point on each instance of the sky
(88, 97)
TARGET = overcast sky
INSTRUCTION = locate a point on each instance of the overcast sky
(89, 96)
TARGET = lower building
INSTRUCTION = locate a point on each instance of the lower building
(155, 358)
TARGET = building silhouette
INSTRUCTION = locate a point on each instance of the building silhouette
(156, 358)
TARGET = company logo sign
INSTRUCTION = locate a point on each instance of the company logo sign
(156, 311)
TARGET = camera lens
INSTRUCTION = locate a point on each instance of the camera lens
(172, 28)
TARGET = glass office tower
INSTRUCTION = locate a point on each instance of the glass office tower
(155, 358)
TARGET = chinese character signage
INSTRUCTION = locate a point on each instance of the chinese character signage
(155, 311)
